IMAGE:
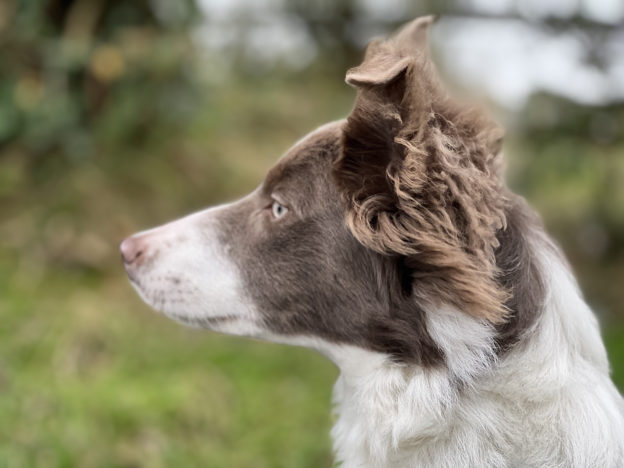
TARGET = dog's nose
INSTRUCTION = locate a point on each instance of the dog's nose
(133, 250)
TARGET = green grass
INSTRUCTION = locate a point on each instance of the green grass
(614, 340)
(90, 377)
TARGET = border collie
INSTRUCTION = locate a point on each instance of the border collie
(389, 242)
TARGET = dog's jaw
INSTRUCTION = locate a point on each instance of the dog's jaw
(183, 270)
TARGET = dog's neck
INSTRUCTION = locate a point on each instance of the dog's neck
(380, 406)
(383, 406)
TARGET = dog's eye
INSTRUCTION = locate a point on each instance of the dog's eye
(278, 210)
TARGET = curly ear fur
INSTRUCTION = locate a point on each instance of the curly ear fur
(420, 174)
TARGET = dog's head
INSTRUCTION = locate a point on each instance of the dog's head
(363, 227)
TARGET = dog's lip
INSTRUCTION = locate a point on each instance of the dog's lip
(201, 322)
(220, 318)
(132, 277)
(130, 272)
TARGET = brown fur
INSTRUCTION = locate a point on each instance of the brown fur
(428, 223)
(309, 276)
(421, 177)
(519, 273)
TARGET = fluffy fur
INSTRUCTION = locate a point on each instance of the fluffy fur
(432, 191)
(547, 403)
(389, 243)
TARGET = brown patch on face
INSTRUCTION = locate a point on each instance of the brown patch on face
(306, 272)
(428, 221)
(421, 177)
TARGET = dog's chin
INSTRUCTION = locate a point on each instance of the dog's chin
(224, 324)
(215, 323)
(184, 314)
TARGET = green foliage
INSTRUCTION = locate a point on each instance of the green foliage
(89, 377)
(75, 75)
(105, 129)
(568, 159)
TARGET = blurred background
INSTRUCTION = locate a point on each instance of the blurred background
(117, 115)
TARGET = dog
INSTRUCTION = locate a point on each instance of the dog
(389, 242)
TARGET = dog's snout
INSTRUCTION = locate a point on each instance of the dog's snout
(133, 250)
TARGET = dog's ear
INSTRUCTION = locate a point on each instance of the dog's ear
(421, 176)
(386, 60)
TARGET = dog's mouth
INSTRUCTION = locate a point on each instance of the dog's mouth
(201, 322)
(189, 319)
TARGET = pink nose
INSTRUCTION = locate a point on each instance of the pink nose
(133, 250)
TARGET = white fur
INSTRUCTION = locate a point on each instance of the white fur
(188, 276)
(549, 403)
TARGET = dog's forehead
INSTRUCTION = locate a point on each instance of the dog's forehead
(325, 135)
(309, 151)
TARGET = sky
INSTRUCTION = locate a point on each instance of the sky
(506, 60)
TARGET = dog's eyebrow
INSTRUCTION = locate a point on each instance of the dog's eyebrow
(286, 174)
(299, 157)
(273, 177)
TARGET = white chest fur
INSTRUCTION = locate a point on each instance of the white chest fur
(550, 402)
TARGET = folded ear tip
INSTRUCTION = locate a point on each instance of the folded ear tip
(352, 77)
(378, 70)
(357, 77)
(386, 60)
